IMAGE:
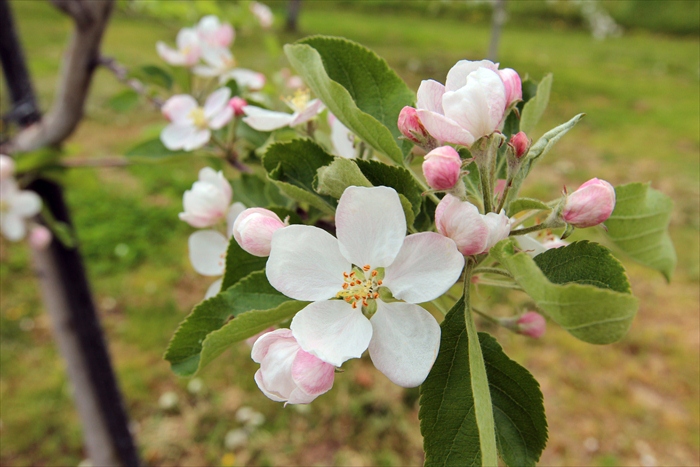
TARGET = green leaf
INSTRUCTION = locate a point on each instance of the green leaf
(518, 407)
(526, 204)
(253, 191)
(151, 74)
(252, 293)
(124, 100)
(239, 264)
(639, 226)
(398, 178)
(584, 263)
(535, 107)
(244, 326)
(592, 314)
(293, 165)
(152, 149)
(333, 179)
(357, 86)
(447, 415)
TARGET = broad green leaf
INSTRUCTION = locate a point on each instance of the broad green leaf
(518, 407)
(592, 314)
(526, 204)
(357, 86)
(239, 264)
(244, 326)
(448, 421)
(537, 150)
(639, 226)
(252, 293)
(535, 107)
(152, 148)
(253, 191)
(293, 165)
(124, 100)
(584, 263)
(398, 178)
(333, 179)
(151, 74)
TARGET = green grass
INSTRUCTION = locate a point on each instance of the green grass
(641, 96)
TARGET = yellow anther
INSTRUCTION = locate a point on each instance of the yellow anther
(354, 304)
(345, 275)
(345, 286)
(198, 118)
(366, 267)
(379, 282)
(374, 273)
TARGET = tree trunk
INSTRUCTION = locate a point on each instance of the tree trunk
(497, 22)
(293, 8)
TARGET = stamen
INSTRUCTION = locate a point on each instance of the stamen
(374, 273)
(345, 286)
(366, 267)
(379, 282)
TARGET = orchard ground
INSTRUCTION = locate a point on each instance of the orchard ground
(636, 402)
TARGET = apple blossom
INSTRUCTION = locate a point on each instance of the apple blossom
(39, 237)
(263, 14)
(7, 167)
(474, 233)
(442, 167)
(520, 144)
(473, 102)
(237, 104)
(411, 127)
(213, 34)
(288, 373)
(254, 228)
(590, 205)
(188, 49)
(15, 206)
(534, 245)
(268, 120)
(208, 201)
(345, 275)
(531, 324)
(342, 138)
(220, 63)
(191, 125)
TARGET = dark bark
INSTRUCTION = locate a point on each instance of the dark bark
(292, 23)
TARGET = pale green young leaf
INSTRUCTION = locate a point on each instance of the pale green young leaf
(526, 204)
(593, 314)
(333, 179)
(535, 107)
(639, 226)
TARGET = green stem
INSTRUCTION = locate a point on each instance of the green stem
(483, 270)
(483, 407)
(424, 186)
(486, 316)
(533, 228)
(505, 285)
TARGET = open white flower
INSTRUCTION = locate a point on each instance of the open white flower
(213, 34)
(15, 206)
(191, 125)
(187, 52)
(262, 13)
(221, 63)
(268, 120)
(307, 263)
(342, 138)
(207, 249)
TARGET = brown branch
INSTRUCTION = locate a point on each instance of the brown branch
(79, 63)
(122, 75)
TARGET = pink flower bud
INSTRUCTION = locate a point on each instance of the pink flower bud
(253, 230)
(513, 85)
(287, 373)
(531, 324)
(590, 205)
(442, 167)
(411, 127)
(520, 144)
(237, 104)
(7, 167)
(39, 237)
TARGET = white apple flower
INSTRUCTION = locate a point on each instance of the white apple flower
(207, 202)
(187, 52)
(307, 263)
(15, 206)
(342, 138)
(221, 63)
(535, 244)
(267, 120)
(207, 250)
(213, 34)
(191, 125)
(262, 13)
(7, 167)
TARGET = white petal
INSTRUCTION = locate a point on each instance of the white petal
(232, 214)
(343, 139)
(208, 252)
(250, 79)
(12, 227)
(444, 129)
(405, 342)
(530, 245)
(221, 118)
(430, 96)
(26, 203)
(457, 76)
(265, 120)
(206, 71)
(214, 288)
(216, 101)
(175, 136)
(178, 108)
(197, 139)
(186, 37)
(370, 225)
(305, 263)
(312, 109)
(427, 265)
(332, 330)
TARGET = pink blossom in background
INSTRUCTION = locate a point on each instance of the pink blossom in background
(187, 52)
(213, 34)
(304, 109)
(262, 13)
(39, 237)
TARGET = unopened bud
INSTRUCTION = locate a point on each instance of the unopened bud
(411, 127)
(7, 167)
(39, 237)
(590, 205)
(237, 103)
(531, 324)
(442, 167)
(513, 85)
(253, 230)
(520, 144)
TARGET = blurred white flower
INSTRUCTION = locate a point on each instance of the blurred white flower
(15, 207)
(263, 14)
(267, 120)
(187, 52)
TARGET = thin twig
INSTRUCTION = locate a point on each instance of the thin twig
(122, 75)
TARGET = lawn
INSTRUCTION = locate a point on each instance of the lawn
(636, 402)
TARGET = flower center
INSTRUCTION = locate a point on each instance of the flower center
(198, 118)
(360, 285)
(299, 100)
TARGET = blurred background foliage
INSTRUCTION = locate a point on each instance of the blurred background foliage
(636, 402)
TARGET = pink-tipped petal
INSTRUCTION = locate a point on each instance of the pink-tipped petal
(461, 221)
(216, 102)
(311, 374)
(444, 129)
(457, 76)
(429, 96)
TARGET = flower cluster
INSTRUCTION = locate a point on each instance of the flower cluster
(17, 207)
